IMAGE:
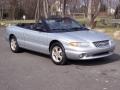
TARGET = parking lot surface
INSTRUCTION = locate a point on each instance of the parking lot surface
(34, 71)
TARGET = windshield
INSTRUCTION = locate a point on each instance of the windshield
(64, 24)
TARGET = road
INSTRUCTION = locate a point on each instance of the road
(33, 71)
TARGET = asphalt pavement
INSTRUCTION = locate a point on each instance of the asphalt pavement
(34, 71)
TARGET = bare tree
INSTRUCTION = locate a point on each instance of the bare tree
(64, 7)
(1, 9)
(41, 10)
(13, 4)
(29, 7)
(86, 2)
(93, 11)
(117, 12)
(90, 10)
(45, 8)
(33, 9)
(37, 12)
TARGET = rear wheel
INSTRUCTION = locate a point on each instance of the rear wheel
(14, 45)
(57, 53)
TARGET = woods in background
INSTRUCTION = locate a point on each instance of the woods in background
(35, 9)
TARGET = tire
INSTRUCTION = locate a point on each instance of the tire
(57, 53)
(14, 45)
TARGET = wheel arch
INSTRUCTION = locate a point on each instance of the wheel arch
(11, 35)
(52, 42)
(64, 57)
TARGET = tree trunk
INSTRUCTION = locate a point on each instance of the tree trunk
(64, 7)
(45, 8)
(1, 13)
(41, 10)
(93, 11)
(89, 11)
(37, 12)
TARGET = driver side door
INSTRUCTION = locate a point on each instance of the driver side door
(37, 40)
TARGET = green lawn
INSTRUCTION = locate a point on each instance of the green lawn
(6, 22)
(100, 25)
(108, 28)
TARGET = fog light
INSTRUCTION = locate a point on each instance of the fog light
(82, 55)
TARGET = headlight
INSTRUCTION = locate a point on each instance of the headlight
(79, 44)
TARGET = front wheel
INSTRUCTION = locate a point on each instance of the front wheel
(57, 53)
(14, 45)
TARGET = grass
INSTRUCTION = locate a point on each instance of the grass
(100, 25)
(7, 22)
(109, 29)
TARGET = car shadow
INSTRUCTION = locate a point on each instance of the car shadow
(36, 53)
(101, 61)
(114, 58)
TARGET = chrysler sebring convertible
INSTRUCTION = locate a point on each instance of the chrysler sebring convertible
(61, 38)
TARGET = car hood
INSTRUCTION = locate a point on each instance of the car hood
(85, 36)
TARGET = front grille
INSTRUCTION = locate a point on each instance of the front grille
(100, 44)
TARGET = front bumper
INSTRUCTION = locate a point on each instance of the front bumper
(93, 53)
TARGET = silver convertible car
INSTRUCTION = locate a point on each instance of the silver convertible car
(61, 38)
